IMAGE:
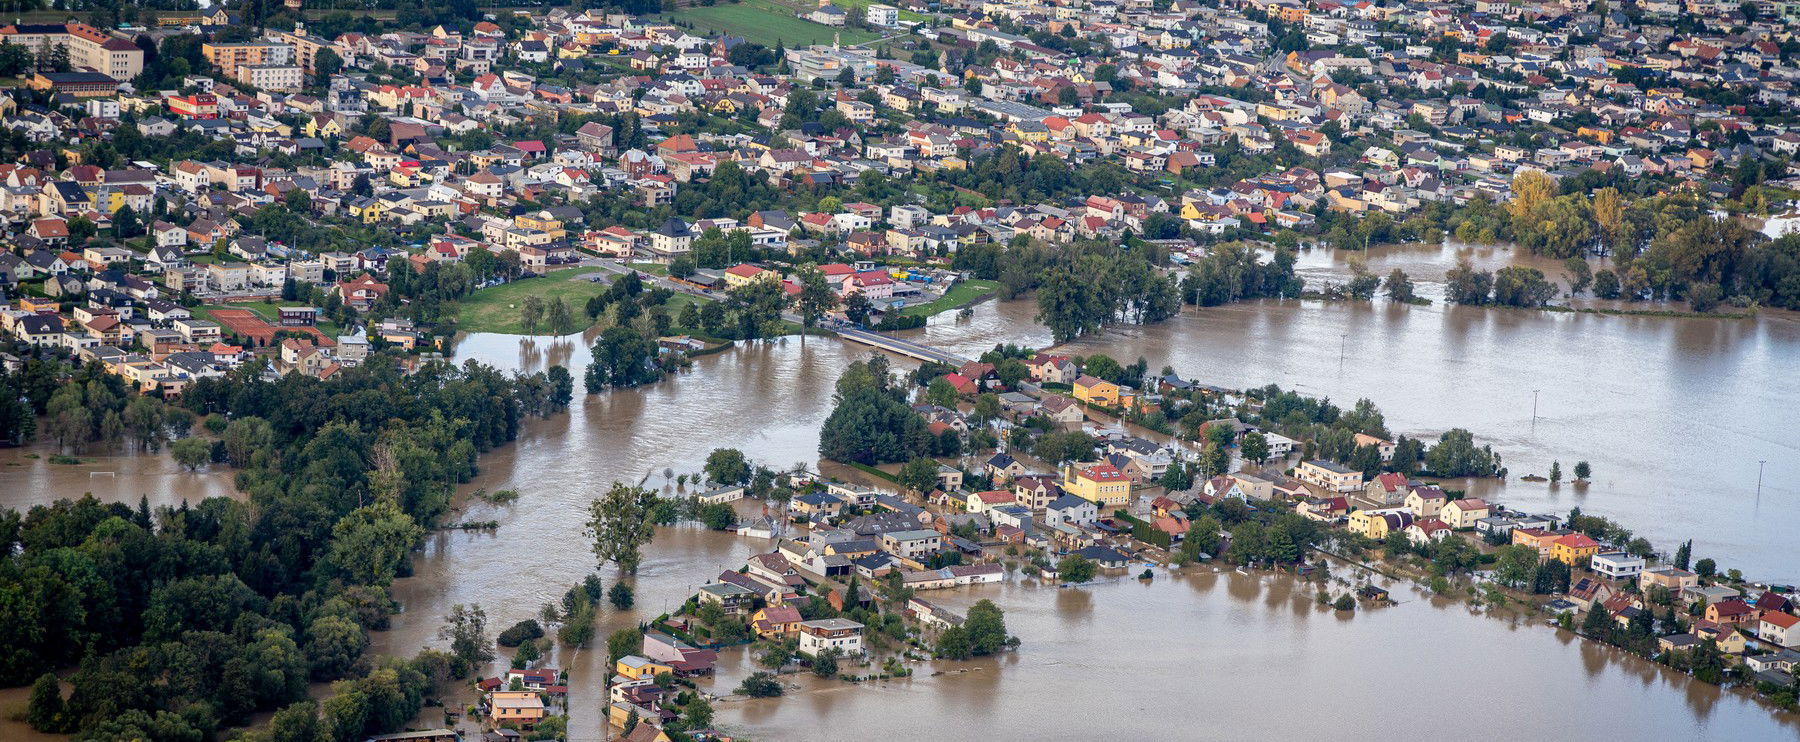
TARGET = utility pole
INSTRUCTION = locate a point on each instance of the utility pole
(1534, 401)
(1759, 475)
(1343, 342)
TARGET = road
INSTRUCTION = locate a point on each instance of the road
(888, 343)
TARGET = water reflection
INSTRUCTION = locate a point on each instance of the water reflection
(1673, 414)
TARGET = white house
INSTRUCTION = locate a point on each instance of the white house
(1072, 510)
(825, 634)
(1779, 628)
(1616, 564)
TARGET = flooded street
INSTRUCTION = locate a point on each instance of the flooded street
(1673, 413)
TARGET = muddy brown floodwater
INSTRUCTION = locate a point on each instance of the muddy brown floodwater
(27, 478)
(1673, 414)
(1235, 652)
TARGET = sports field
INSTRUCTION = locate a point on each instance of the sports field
(764, 22)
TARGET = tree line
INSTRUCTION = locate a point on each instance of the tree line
(182, 621)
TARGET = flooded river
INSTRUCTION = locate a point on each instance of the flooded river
(1240, 650)
(1672, 413)
(1217, 655)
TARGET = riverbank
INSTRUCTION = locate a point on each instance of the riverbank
(1085, 636)
(1620, 392)
(965, 293)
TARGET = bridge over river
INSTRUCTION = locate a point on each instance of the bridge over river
(901, 346)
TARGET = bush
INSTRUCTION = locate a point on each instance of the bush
(622, 596)
(760, 685)
(825, 665)
(1345, 603)
(520, 633)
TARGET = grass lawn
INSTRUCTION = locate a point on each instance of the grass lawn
(964, 293)
(905, 15)
(655, 269)
(766, 23)
(496, 309)
(874, 472)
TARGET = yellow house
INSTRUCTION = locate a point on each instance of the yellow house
(620, 715)
(1574, 549)
(524, 708)
(641, 668)
(744, 274)
(331, 128)
(1096, 391)
(1377, 524)
(370, 212)
(1463, 513)
(542, 221)
(1101, 484)
(1032, 133)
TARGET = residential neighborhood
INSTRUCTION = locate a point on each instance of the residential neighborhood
(296, 298)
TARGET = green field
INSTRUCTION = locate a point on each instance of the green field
(905, 15)
(766, 23)
(657, 269)
(964, 293)
(496, 309)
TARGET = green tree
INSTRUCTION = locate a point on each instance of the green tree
(531, 314)
(466, 630)
(1555, 472)
(696, 714)
(622, 357)
(620, 526)
(816, 296)
(126, 223)
(623, 642)
(986, 626)
(325, 64)
(717, 516)
(760, 685)
(825, 665)
(334, 644)
(857, 308)
(191, 453)
(727, 466)
(1705, 568)
(1076, 568)
(1582, 471)
(1515, 565)
(941, 393)
(369, 545)
(45, 710)
(1400, 287)
(1254, 448)
(918, 475)
(1062, 447)
(621, 596)
(1683, 553)
(954, 644)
